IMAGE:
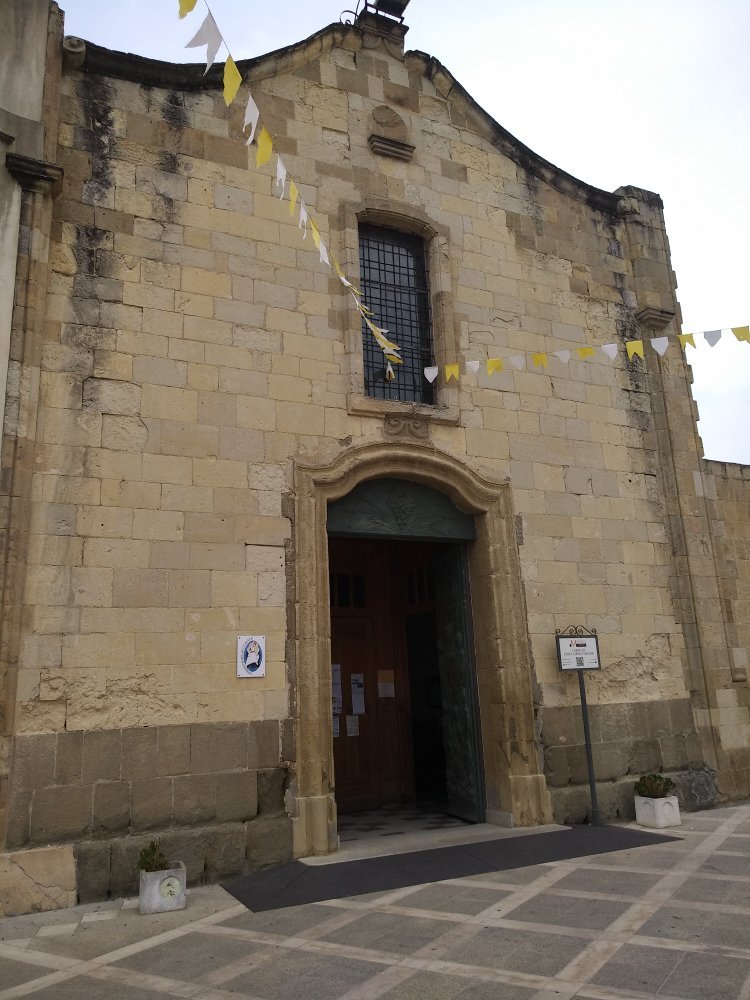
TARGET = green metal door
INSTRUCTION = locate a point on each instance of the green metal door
(461, 737)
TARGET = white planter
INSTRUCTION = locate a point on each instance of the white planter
(165, 890)
(657, 813)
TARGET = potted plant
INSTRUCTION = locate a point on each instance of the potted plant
(656, 804)
(163, 883)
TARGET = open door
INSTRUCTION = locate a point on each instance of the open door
(455, 651)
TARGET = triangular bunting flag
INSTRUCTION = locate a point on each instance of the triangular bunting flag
(585, 352)
(564, 356)
(431, 373)
(315, 232)
(280, 176)
(742, 333)
(539, 360)
(265, 147)
(303, 218)
(186, 6)
(518, 361)
(323, 252)
(634, 347)
(293, 195)
(472, 366)
(389, 372)
(660, 344)
(610, 350)
(451, 371)
(342, 277)
(210, 36)
(713, 337)
(494, 365)
(251, 118)
(685, 339)
(232, 80)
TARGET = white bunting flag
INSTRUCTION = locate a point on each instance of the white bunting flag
(610, 350)
(323, 252)
(303, 218)
(472, 366)
(210, 36)
(713, 337)
(431, 373)
(251, 118)
(280, 176)
(564, 356)
(518, 361)
(660, 344)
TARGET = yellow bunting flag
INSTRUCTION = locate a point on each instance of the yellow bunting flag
(186, 6)
(585, 352)
(232, 80)
(389, 372)
(265, 148)
(686, 338)
(315, 232)
(539, 360)
(742, 333)
(451, 371)
(494, 365)
(293, 195)
(634, 347)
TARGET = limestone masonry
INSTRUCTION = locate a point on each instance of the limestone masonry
(185, 394)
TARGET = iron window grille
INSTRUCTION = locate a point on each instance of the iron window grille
(393, 273)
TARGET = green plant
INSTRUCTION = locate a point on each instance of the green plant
(152, 858)
(654, 786)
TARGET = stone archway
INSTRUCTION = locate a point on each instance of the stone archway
(516, 788)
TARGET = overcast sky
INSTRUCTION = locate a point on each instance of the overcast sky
(654, 93)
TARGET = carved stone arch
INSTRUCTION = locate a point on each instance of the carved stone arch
(516, 788)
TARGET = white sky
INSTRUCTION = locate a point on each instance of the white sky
(654, 93)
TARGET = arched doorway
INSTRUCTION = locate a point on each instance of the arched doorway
(514, 783)
(404, 704)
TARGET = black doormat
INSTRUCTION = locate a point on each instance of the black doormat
(295, 883)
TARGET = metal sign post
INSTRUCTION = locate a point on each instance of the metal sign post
(578, 650)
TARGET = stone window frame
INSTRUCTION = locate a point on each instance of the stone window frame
(408, 219)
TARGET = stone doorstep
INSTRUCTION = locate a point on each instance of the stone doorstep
(39, 879)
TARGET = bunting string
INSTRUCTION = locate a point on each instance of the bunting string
(210, 36)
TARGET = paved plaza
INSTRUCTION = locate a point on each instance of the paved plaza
(667, 921)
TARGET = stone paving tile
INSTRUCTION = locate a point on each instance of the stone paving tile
(454, 898)
(13, 973)
(428, 986)
(518, 950)
(727, 864)
(699, 926)
(708, 977)
(303, 976)
(631, 884)
(635, 967)
(592, 914)
(82, 986)
(388, 932)
(196, 954)
(288, 922)
(715, 890)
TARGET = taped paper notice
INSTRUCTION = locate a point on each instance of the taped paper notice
(358, 694)
(386, 684)
(336, 727)
(352, 725)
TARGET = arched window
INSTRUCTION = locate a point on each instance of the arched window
(393, 275)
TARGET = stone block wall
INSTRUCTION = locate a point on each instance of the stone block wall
(213, 793)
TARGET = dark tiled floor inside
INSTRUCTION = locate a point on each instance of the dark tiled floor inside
(392, 821)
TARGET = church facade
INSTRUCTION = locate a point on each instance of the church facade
(251, 582)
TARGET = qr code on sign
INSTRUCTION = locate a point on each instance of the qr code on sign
(579, 661)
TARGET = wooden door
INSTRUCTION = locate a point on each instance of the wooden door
(371, 742)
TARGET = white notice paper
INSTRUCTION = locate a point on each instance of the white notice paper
(336, 727)
(358, 694)
(352, 725)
